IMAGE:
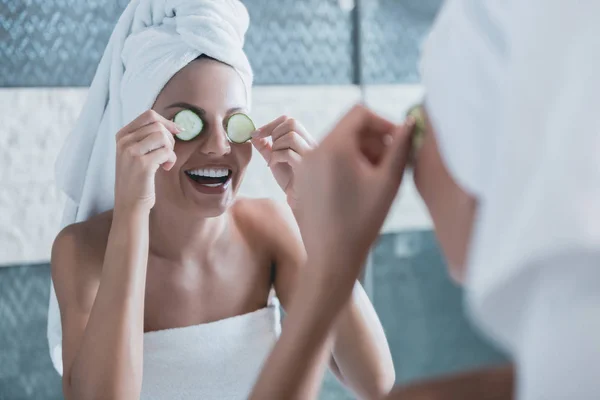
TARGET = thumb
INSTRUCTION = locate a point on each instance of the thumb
(264, 147)
(398, 150)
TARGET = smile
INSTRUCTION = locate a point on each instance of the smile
(210, 177)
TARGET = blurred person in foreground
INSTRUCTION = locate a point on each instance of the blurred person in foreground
(507, 161)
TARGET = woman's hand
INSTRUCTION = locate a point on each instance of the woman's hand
(142, 147)
(345, 188)
(283, 143)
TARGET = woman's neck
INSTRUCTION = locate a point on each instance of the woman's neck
(178, 236)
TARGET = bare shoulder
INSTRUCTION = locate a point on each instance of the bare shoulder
(77, 257)
(272, 223)
(266, 217)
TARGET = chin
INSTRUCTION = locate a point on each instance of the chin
(209, 206)
(212, 210)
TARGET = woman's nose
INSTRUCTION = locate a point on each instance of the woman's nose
(216, 144)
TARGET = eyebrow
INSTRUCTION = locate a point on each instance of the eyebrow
(200, 111)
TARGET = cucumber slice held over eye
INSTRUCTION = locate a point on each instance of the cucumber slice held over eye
(191, 124)
(239, 128)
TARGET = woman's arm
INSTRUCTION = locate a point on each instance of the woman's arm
(102, 313)
(361, 356)
(103, 321)
(295, 368)
(361, 352)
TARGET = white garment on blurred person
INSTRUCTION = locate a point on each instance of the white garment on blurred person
(513, 93)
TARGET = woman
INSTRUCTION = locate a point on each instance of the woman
(168, 293)
(514, 196)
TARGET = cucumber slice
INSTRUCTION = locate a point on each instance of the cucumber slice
(191, 124)
(239, 128)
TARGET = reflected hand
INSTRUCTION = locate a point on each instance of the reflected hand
(143, 146)
(283, 143)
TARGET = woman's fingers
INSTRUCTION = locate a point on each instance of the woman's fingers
(267, 130)
(293, 141)
(165, 157)
(387, 174)
(145, 131)
(292, 125)
(358, 125)
(264, 147)
(151, 142)
(286, 156)
(143, 146)
(147, 118)
(397, 150)
(282, 125)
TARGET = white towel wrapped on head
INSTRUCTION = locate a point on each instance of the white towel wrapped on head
(151, 42)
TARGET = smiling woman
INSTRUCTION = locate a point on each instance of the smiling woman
(175, 269)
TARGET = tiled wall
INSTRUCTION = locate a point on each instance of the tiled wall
(48, 43)
(309, 57)
(297, 46)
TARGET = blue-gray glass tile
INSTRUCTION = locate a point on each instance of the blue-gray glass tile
(60, 42)
(422, 310)
(333, 390)
(26, 371)
(391, 32)
(300, 42)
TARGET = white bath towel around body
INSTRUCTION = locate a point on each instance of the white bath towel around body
(219, 360)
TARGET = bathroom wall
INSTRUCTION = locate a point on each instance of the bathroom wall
(312, 59)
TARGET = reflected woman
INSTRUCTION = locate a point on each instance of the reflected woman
(167, 282)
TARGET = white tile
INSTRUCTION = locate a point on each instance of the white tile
(29, 221)
(34, 125)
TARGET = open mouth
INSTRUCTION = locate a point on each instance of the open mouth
(210, 177)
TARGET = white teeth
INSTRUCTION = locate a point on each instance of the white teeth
(212, 184)
(210, 172)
